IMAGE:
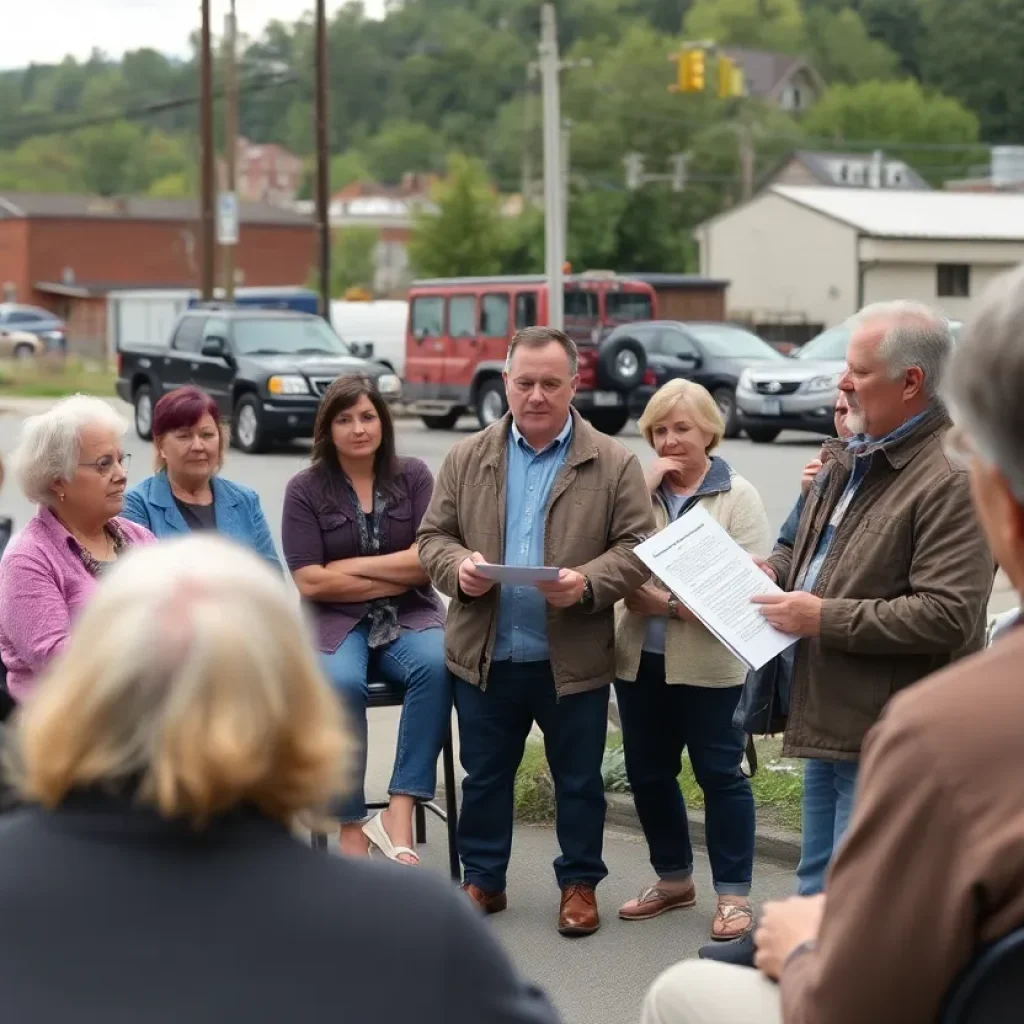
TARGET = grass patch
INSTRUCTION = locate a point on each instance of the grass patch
(51, 378)
(777, 786)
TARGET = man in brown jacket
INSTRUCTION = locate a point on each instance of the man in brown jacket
(932, 869)
(539, 488)
(889, 574)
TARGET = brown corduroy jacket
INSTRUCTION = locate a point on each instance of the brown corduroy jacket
(598, 511)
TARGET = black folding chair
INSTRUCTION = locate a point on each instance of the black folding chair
(991, 989)
(385, 694)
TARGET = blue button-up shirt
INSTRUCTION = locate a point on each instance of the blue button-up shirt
(522, 633)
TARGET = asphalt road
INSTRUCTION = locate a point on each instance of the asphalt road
(773, 469)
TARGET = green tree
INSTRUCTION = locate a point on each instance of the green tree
(895, 113)
(842, 51)
(764, 24)
(975, 52)
(353, 259)
(45, 163)
(171, 186)
(402, 146)
(900, 25)
(466, 235)
(111, 157)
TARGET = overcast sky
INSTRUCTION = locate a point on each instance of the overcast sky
(45, 31)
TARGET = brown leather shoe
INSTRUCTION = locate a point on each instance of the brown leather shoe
(655, 901)
(578, 913)
(488, 902)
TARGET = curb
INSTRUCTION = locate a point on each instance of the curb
(781, 846)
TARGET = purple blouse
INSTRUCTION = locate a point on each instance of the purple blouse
(318, 527)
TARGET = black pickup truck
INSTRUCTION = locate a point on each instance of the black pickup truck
(266, 369)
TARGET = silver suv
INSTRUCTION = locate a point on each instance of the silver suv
(799, 394)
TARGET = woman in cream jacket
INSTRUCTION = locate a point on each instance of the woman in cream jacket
(678, 687)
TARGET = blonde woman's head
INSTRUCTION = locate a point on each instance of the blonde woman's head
(190, 678)
(682, 420)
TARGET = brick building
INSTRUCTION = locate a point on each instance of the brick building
(66, 252)
(267, 173)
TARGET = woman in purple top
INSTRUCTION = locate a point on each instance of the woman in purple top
(71, 462)
(349, 535)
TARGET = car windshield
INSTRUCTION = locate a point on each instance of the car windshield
(829, 346)
(727, 341)
(287, 336)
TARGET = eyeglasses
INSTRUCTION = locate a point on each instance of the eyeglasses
(105, 465)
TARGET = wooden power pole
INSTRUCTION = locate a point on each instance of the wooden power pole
(207, 182)
(323, 163)
(230, 140)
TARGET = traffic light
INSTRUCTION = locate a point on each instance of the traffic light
(730, 78)
(692, 65)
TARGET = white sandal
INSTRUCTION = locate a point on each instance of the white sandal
(375, 831)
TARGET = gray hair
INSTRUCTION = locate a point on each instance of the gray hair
(51, 443)
(984, 382)
(916, 335)
(538, 337)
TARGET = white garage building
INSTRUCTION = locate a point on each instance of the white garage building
(817, 254)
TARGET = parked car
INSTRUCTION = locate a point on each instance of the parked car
(266, 369)
(802, 393)
(460, 327)
(712, 354)
(20, 344)
(49, 329)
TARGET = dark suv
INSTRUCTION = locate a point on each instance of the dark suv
(266, 369)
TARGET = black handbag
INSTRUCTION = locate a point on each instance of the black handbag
(763, 706)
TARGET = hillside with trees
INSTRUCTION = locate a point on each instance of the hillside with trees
(445, 84)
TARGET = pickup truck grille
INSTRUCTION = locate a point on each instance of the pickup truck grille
(321, 384)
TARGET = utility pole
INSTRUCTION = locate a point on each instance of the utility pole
(323, 163)
(231, 140)
(554, 242)
(528, 105)
(566, 164)
(207, 182)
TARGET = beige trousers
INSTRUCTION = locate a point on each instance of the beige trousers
(706, 992)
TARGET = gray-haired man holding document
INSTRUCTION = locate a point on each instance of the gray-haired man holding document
(539, 488)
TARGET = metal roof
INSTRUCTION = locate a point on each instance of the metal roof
(32, 205)
(895, 213)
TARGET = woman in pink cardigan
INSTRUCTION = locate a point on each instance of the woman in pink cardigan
(71, 462)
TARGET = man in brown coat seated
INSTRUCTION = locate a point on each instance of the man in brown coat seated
(932, 868)
(539, 488)
(889, 575)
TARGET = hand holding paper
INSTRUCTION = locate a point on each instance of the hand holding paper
(517, 575)
(717, 580)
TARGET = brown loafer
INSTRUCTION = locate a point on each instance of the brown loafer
(655, 901)
(577, 914)
(488, 902)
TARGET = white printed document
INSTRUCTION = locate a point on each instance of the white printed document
(518, 575)
(715, 578)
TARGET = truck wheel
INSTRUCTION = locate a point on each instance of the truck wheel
(445, 422)
(725, 399)
(490, 401)
(608, 421)
(248, 431)
(621, 364)
(144, 412)
(761, 435)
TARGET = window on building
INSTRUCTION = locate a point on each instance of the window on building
(462, 316)
(953, 280)
(428, 316)
(189, 335)
(494, 316)
(526, 310)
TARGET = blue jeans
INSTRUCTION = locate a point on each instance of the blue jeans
(494, 724)
(660, 721)
(415, 661)
(827, 804)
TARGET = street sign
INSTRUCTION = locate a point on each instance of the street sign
(227, 218)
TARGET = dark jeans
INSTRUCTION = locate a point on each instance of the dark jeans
(494, 724)
(658, 722)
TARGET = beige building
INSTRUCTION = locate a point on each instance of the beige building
(815, 255)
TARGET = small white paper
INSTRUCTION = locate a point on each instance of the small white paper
(715, 578)
(518, 575)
